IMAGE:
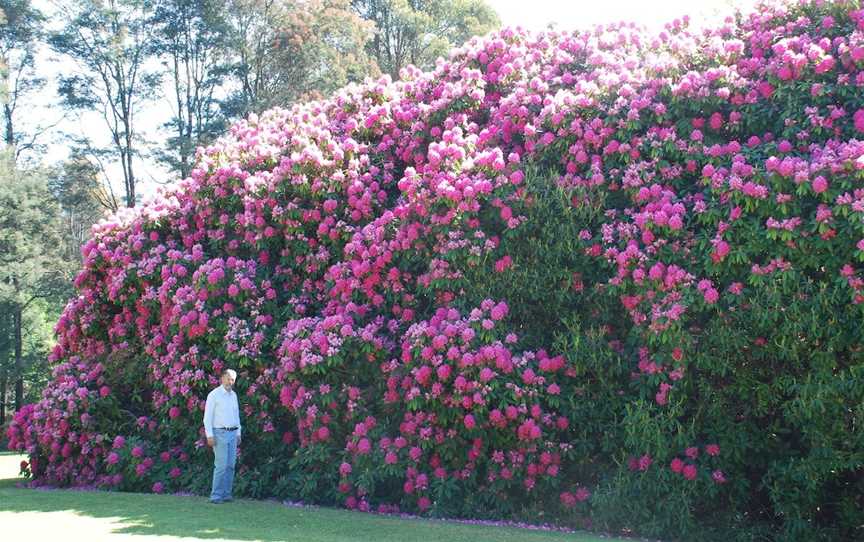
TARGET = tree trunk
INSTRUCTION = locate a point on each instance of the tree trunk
(4, 376)
(130, 185)
(9, 136)
(19, 362)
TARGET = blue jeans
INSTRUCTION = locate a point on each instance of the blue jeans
(225, 451)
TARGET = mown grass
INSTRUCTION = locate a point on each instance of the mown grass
(68, 515)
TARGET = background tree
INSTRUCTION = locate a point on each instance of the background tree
(32, 266)
(6, 358)
(81, 196)
(21, 31)
(288, 51)
(37, 339)
(192, 41)
(110, 44)
(419, 31)
(52, 236)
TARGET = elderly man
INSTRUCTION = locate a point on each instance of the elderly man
(222, 427)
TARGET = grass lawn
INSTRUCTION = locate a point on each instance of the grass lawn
(68, 515)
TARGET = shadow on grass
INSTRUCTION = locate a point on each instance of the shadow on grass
(168, 515)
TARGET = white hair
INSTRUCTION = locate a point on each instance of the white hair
(230, 372)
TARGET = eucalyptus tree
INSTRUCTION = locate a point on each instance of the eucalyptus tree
(21, 32)
(283, 52)
(419, 31)
(110, 46)
(193, 48)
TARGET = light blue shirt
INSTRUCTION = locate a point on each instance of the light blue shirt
(221, 410)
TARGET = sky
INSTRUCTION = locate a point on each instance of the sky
(532, 15)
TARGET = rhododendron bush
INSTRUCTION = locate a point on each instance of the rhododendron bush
(607, 278)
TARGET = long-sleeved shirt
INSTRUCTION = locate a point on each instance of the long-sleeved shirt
(221, 410)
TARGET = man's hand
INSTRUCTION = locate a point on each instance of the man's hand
(211, 441)
(238, 441)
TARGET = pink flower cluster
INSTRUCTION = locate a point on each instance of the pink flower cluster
(689, 470)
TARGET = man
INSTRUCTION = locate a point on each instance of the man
(222, 427)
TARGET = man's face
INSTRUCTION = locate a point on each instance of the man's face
(228, 381)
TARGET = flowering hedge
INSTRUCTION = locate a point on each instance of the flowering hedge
(606, 278)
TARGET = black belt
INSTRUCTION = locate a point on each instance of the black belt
(228, 428)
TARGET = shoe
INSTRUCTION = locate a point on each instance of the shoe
(228, 499)
(216, 501)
